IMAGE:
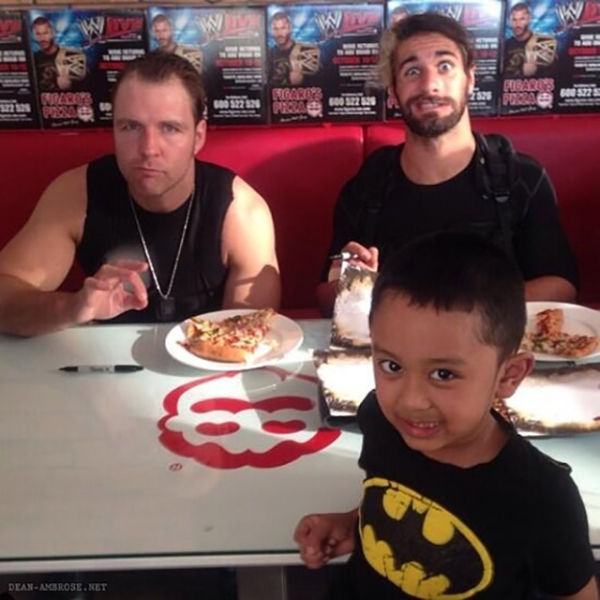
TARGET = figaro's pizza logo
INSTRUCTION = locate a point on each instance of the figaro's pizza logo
(267, 418)
(419, 546)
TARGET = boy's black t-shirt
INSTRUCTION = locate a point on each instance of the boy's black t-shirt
(495, 530)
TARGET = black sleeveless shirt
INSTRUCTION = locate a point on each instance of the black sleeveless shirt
(110, 233)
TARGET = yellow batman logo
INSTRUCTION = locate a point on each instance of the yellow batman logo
(419, 546)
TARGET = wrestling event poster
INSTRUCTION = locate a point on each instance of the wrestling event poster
(322, 62)
(17, 97)
(483, 19)
(531, 57)
(77, 56)
(227, 46)
(578, 34)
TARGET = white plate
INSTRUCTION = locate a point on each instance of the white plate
(579, 320)
(284, 336)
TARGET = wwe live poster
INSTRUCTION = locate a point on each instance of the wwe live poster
(227, 46)
(322, 62)
(77, 56)
(551, 56)
(483, 20)
(17, 97)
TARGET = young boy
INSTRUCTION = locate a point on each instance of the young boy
(455, 503)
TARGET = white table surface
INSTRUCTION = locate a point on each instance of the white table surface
(98, 472)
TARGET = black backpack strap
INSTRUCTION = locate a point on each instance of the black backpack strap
(375, 196)
(496, 175)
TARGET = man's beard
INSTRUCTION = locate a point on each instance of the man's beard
(433, 126)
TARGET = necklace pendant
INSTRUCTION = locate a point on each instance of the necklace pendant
(165, 309)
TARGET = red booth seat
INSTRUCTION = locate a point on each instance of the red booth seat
(300, 171)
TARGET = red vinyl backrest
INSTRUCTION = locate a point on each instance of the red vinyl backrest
(298, 170)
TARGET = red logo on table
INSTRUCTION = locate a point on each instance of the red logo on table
(268, 418)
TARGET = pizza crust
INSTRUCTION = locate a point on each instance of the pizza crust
(234, 339)
(214, 351)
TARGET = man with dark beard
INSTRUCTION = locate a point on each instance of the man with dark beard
(432, 182)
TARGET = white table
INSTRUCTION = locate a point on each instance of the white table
(88, 484)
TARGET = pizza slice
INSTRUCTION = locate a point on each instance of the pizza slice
(549, 338)
(234, 339)
(549, 322)
(563, 344)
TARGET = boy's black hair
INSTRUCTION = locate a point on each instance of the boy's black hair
(464, 272)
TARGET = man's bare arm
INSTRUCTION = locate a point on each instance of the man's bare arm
(36, 261)
(550, 288)
(248, 248)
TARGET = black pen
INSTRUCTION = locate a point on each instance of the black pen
(101, 368)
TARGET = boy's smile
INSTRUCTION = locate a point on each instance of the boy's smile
(436, 379)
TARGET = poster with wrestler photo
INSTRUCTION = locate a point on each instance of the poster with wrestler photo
(322, 62)
(227, 47)
(17, 98)
(483, 20)
(77, 56)
(578, 33)
(530, 57)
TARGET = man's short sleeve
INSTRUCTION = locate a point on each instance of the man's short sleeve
(541, 246)
(563, 559)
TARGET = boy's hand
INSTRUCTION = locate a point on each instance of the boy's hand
(324, 536)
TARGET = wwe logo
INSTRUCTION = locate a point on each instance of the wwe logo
(329, 23)
(211, 25)
(92, 28)
(571, 12)
(452, 11)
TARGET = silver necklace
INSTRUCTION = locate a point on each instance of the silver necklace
(167, 306)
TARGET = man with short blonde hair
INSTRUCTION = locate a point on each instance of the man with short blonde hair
(160, 235)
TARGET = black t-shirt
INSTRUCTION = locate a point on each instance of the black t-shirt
(409, 210)
(46, 70)
(280, 65)
(110, 233)
(494, 530)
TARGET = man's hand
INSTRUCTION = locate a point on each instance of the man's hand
(324, 536)
(529, 64)
(366, 258)
(63, 80)
(115, 288)
(296, 76)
